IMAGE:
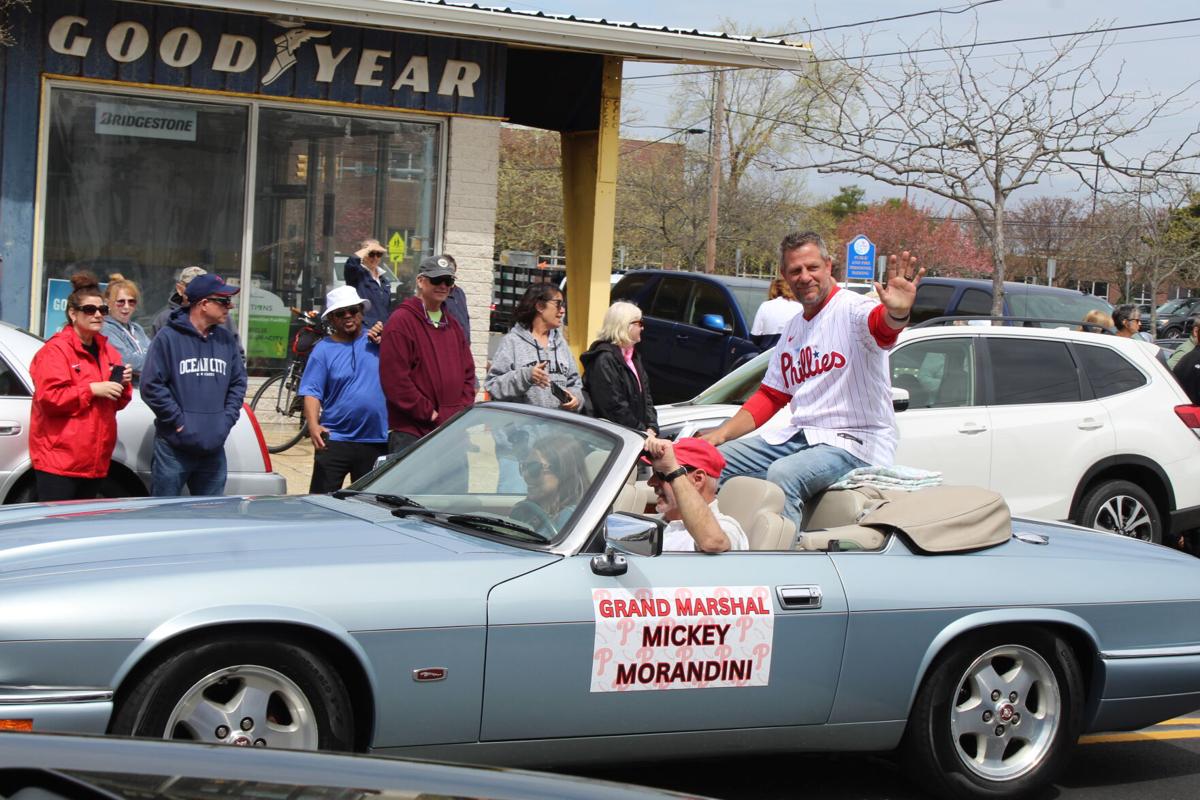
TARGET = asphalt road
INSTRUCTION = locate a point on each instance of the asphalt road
(1159, 763)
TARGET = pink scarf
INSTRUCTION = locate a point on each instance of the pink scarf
(628, 353)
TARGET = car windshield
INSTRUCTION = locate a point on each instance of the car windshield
(736, 387)
(749, 298)
(1056, 306)
(500, 472)
(1172, 306)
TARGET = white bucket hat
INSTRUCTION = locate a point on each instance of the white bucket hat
(342, 297)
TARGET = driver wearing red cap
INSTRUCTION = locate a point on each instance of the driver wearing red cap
(685, 485)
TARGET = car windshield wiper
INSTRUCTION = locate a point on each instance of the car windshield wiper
(398, 500)
(485, 522)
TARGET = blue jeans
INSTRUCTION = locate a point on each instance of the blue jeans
(172, 469)
(801, 469)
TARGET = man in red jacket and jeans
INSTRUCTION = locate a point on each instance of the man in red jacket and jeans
(425, 364)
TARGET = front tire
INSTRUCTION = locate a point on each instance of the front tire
(996, 717)
(241, 690)
(1172, 333)
(1122, 507)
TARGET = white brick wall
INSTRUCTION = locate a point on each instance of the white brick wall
(470, 230)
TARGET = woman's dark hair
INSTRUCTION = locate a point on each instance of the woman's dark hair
(1122, 314)
(527, 306)
(84, 285)
(565, 457)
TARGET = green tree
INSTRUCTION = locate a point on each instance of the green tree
(847, 201)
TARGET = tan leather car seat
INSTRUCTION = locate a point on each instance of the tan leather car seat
(757, 505)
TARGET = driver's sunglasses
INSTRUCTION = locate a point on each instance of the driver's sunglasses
(221, 301)
(346, 312)
(442, 280)
(534, 469)
(662, 476)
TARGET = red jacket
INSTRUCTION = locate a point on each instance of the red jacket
(424, 368)
(71, 431)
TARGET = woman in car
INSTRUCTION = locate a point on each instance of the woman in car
(613, 376)
(555, 478)
(73, 419)
(122, 332)
(533, 363)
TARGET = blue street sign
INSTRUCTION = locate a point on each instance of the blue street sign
(860, 259)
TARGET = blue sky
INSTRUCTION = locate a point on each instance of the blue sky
(1161, 59)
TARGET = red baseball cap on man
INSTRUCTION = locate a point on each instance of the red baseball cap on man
(698, 454)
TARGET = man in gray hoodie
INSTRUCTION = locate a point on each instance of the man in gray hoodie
(533, 363)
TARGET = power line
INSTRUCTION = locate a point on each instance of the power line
(939, 49)
(685, 129)
(947, 11)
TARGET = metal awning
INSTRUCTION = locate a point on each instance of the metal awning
(535, 29)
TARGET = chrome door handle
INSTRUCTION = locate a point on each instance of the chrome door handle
(971, 427)
(799, 596)
(9, 427)
(1090, 424)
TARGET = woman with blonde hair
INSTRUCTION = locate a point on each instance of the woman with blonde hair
(122, 332)
(1097, 317)
(613, 376)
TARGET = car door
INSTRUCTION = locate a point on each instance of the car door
(15, 401)
(549, 674)
(946, 426)
(1045, 430)
(702, 355)
(662, 336)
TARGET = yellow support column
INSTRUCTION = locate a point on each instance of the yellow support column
(589, 167)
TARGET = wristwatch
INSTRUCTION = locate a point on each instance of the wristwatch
(675, 473)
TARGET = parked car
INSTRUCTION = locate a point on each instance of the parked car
(964, 297)
(697, 326)
(56, 766)
(1175, 317)
(429, 611)
(1065, 425)
(246, 454)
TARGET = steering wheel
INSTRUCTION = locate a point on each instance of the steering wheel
(530, 512)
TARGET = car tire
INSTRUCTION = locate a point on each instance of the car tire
(955, 717)
(242, 690)
(1172, 333)
(1122, 507)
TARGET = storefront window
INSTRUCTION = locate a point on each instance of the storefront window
(143, 187)
(325, 182)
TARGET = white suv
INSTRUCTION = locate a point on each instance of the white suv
(1064, 424)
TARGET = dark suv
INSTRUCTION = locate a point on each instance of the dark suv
(941, 297)
(697, 326)
(1173, 317)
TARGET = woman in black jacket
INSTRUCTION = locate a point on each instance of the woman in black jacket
(613, 376)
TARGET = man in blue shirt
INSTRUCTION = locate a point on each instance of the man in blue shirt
(364, 272)
(343, 401)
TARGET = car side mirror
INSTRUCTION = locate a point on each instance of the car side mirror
(627, 534)
(900, 399)
(715, 322)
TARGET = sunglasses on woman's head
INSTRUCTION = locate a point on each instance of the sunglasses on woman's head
(90, 308)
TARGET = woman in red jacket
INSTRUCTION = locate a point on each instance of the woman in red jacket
(73, 423)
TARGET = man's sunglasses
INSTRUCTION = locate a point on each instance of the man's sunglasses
(90, 308)
(442, 280)
(534, 469)
(375, 254)
(662, 476)
(222, 301)
(346, 312)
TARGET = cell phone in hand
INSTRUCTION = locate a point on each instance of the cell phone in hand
(116, 373)
(559, 392)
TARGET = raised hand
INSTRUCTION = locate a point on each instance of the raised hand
(900, 292)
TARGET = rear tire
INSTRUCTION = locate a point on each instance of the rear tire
(967, 736)
(274, 405)
(1122, 507)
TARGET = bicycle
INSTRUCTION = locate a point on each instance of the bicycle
(277, 404)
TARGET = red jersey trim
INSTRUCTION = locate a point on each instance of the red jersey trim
(763, 404)
(885, 335)
(828, 297)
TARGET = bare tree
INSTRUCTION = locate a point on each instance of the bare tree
(6, 9)
(978, 131)
(1041, 228)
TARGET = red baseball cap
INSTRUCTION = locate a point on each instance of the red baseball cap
(698, 454)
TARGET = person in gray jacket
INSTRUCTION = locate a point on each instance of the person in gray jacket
(533, 363)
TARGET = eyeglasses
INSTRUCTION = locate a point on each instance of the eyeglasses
(375, 254)
(346, 312)
(126, 301)
(559, 303)
(442, 280)
(221, 301)
(639, 323)
(534, 469)
(90, 308)
(662, 476)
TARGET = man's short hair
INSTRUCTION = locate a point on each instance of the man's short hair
(796, 240)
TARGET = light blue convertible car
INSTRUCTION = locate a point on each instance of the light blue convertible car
(491, 597)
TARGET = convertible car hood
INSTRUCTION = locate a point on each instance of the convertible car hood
(259, 531)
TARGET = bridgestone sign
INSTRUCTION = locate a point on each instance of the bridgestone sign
(147, 122)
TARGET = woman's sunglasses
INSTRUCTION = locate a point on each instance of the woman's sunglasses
(90, 308)
(126, 301)
(534, 469)
(375, 254)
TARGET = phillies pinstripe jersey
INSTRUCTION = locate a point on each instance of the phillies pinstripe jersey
(835, 367)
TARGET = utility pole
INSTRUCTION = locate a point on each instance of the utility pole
(714, 170)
